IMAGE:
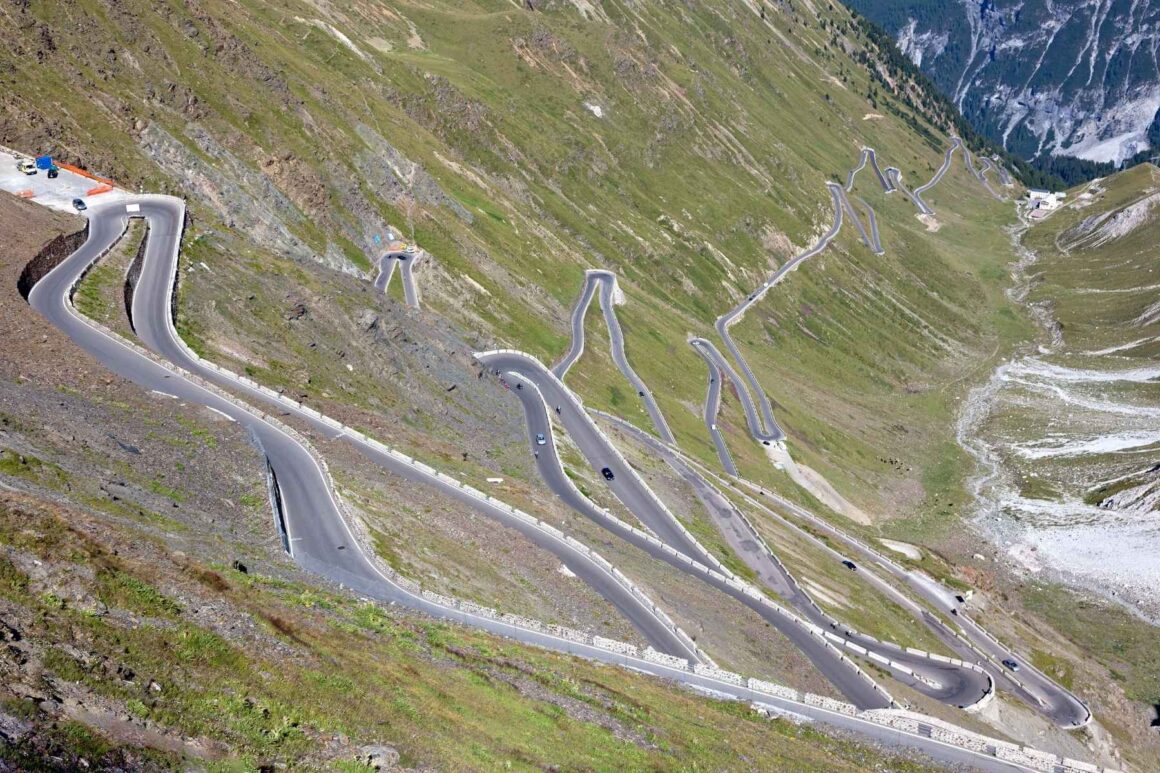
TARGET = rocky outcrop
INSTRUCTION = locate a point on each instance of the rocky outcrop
(240, 196)
(49, 257)
(1072, 77)
(393, 176)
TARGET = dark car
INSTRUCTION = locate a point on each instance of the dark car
(607, 473)
(1011, 664)
(79, 205)
(850, 565)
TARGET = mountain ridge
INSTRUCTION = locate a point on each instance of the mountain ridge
(1074, 78)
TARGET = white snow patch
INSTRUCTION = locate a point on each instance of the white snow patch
(1033, 366)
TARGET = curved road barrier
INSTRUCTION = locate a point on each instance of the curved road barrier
(939, 677)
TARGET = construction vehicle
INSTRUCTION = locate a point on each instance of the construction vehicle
(25, 166)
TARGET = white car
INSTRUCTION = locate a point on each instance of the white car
(540, 439)
(25, 166)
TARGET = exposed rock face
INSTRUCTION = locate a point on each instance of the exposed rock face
(241, 197)
(49, 258)
(1072, 77)
(393, 176)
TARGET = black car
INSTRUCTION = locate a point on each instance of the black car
(850, 565)
(607, 473)
(79, 205)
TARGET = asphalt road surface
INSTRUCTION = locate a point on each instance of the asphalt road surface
(854, 172)
(956, 143)
(713, 402)
(875, 239)
(539, 387)
(1053, 700)
(767, 430)
(606, 281)
(853, 215)
(315, 530)
(954, 685)
(387, 264)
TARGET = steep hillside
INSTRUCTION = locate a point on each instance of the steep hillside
(521, 147)
(151, 621)
(686, 148)
(1067, 432)
(1076, 78)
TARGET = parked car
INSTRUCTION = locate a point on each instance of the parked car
(1011, 664)
(850, 565)
(540, 439)
(607, 473)
(25, 166)
(79, 205)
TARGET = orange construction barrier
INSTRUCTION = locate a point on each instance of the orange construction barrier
(83, 173)
(102, 188)
(27, 193)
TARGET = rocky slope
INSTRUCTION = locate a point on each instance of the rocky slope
(1072, 77)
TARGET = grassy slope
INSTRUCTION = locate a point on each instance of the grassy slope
(102, 600)
(717, 131)
(706, 170)
(346, 674)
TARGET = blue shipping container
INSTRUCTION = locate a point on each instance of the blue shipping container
(44, 162)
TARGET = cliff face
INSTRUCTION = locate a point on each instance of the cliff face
(1069, 77)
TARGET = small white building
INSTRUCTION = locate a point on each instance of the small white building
(1045, 200)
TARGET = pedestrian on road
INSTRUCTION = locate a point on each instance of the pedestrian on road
(537, 453)
(557, 410)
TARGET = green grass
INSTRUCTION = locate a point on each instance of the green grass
(445, 696)
(1115, 638)
(30, 468)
